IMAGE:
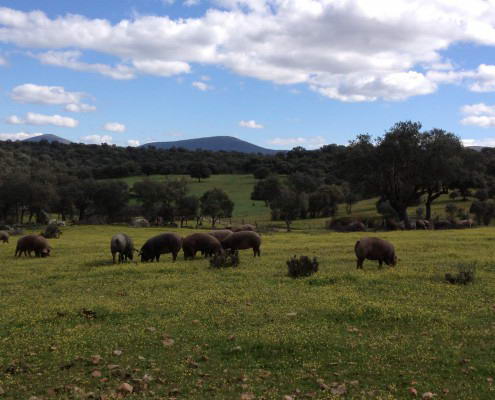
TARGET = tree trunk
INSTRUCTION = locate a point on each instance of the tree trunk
(288, 222)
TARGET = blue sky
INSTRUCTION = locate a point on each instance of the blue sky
(275, 73)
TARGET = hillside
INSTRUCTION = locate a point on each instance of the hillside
(49, 138)
(214, 143)
(239, 188)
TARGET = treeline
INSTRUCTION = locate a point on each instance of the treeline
(36, 197)
(405, 167)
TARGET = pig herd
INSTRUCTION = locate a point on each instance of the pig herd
(208, 244)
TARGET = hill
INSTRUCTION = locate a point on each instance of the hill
(214, 143)
(49, 138)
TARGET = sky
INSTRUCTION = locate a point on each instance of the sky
(277, 73)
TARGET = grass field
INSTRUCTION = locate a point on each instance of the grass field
(182, 330)
(239, 188)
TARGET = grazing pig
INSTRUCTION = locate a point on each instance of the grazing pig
(35, 243)
(4, 237)
(464, 223)
(203, 242)
(161, 244)
(123, 245)
(245, 227)
(220, 234)
(243, 240)
(422, 224)
(373, 248)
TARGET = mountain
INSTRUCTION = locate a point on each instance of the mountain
(214, 143)
(49, 138)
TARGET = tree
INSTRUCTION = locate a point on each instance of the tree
(350, 196)
(110, 198)
(187, 208)
(288, 206)
(483, 210)
(266, 189)
(199, 170)
(440, 164)
(451, 210)
(261, 173)
(303, 183)
(216, 204)
(324, 201)
(398, 171)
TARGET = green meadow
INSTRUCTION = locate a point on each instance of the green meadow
(75, 326)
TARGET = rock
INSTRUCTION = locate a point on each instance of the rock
(125, 388)
(96, 359)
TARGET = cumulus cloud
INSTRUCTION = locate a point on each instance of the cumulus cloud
(52, 95)
(348, 50)
(201, 86)
(79, 108)
(308, 142)
(18, 136)
(41, 119)
(114, 127)
(133, 143)
(250, 124)
(97, 139)
(190, 3)
(71, 59)
(480, 114)
(486, 142)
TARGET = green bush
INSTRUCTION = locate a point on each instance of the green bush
(303, 266)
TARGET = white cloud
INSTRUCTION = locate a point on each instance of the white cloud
(133, 143)
(480, 114)
(18, 136)
(97, 139)
(41, 119)
(482, 121)
(3, 60)
(190, 3)
(114, 127)
(486, 142)
(79, 108)
(478, 109)
(70, 59)
(201, 86)
(308, 142)
(348, 50)
(250, 124)
(36, 94)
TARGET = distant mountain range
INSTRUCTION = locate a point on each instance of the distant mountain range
(49, 138)
(214, 143)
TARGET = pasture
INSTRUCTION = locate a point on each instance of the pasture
(76, 326)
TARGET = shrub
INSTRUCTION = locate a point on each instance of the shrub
(228, 259)
(465, 274)
(303, 266)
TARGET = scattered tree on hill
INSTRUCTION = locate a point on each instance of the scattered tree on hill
(216, 204)
(266, 189)
(483, 210)
(440, 164)
(350, 196)
(110, 198)
(261, 173)
(324, 201)
(199, 171)
(188, 208)
(288, 206)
